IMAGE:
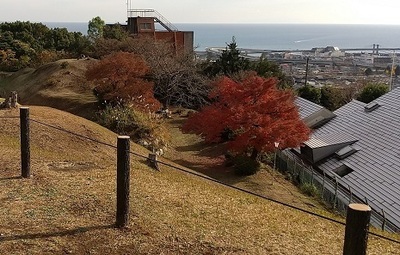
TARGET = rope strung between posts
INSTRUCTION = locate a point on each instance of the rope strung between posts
(384, 237)
(267, 198)
(211, 179)
(9, 117)
(73, 133)
(251, 193)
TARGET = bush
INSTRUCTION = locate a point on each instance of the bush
(309, 189)
(139, 126)
(64, 65)
(244, 165)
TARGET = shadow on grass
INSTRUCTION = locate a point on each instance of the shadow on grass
(75, 231)
(220, 172)
(203, 149)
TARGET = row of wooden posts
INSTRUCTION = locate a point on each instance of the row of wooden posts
(357, 220)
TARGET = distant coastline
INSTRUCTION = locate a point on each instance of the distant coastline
(279, 36)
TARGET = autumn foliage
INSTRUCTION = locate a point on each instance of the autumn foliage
(255, 110)
(121, 79)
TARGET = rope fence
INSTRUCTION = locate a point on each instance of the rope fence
(125, 172)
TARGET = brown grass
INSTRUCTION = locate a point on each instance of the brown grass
(52, 85)
(68, 206)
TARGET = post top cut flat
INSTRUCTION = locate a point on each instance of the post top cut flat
(360, 207)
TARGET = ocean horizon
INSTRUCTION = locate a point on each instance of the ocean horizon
(279, 36)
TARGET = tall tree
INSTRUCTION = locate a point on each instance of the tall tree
(96, 28)
(372, 91)
(332, 97)
(256, 111)
(229, 63)
(310, 93)
(121, 78)
(267, 69)
(177, 79)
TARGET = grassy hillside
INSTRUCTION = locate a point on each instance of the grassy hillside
(68, 206)
(59, 84)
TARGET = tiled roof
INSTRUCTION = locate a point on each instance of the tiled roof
(376, 164)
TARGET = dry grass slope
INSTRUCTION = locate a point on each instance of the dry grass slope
(67, 207)
(59, 84)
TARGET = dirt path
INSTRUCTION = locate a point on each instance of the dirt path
(190, 151)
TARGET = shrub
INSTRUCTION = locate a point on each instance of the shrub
(309, 189)
(64, 65)
(139, 126)
(244, 165)
(267, 158)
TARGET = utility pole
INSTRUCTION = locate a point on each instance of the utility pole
(391, 73)
(306, 78)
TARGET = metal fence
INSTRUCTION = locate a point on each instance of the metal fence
(328, 188)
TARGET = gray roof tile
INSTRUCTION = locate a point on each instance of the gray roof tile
(306, 108)
(376, 165)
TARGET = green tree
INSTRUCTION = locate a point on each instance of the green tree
(115, 31)
(371, 92)
(310, 93)
(229, 63)
(331, 98)
(397, 70)
(96, 28)
(368, 71)
(268, 69)
(30, 44)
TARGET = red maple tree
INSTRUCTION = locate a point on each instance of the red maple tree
(121, 78)
(256, 111)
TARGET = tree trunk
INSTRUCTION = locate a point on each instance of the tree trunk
(254, 154)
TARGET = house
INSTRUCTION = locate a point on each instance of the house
(360, 148)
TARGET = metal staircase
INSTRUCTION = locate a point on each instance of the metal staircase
(151, 13)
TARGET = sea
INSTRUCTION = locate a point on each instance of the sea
(279, 36)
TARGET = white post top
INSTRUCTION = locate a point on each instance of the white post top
(360, 207)
(123, 137)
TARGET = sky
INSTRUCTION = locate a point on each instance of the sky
(208, 11)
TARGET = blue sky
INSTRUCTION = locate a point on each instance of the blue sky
(209, 11)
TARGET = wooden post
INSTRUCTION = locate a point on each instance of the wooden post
(123, 172)
(336, 193)
(383, 220)
(312, 175)
(14, 101)
(323, 185)
(25, 143)
(152, 161)
(356, 233)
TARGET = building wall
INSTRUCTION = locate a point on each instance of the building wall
(181, 40)
(144, 26)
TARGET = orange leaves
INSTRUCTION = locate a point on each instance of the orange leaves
(257, 112)
(121, 78)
